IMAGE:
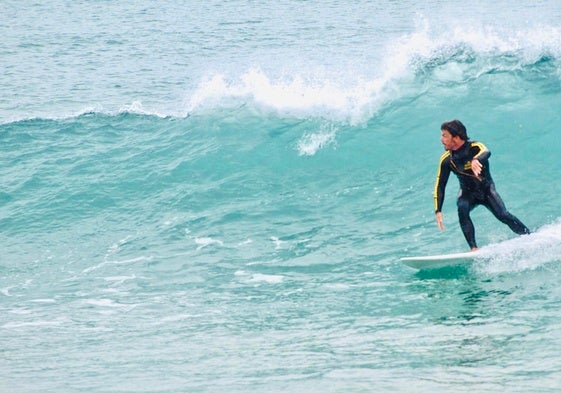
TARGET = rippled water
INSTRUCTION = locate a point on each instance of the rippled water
(214, 197)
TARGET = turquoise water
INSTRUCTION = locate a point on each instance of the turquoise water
(214, 197)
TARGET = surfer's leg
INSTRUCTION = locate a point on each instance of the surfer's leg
(465, 205)
(496, 205)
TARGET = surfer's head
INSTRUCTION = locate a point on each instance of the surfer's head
(455, 128)
(454, 135)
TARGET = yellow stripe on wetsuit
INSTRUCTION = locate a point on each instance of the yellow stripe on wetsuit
(482, 149)
(442, 158)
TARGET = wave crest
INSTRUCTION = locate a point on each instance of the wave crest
(408, 65)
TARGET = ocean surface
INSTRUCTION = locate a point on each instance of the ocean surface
(213, 196)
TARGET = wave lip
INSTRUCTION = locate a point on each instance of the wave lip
(407, 65)
(299, 96)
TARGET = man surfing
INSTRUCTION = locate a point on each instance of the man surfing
(469, 161)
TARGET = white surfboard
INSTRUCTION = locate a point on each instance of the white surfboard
(440, 261)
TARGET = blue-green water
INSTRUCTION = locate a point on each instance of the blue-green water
(214, 196)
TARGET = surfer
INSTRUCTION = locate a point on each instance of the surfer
(469, 161)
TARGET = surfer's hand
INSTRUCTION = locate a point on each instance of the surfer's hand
(439, 221)
(476, 167)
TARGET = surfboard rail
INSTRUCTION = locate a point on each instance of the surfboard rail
(440, 261)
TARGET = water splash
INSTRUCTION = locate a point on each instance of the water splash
(527, 252)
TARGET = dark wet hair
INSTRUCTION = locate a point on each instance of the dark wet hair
(455, 128)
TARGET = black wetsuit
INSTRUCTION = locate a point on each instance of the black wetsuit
(474, 190)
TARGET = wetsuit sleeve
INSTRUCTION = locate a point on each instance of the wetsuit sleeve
(441, 180)
(483, 153)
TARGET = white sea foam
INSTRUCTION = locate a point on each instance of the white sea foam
(37, 324)
(524, 252)
(138, 108)
(299, 95)
(278, 242)
(119, 279)
(343, 96)
(6, 291)
(310, 143)
(346, 94)
(43, 301)
(109, 303)
(203, 242)
(295, 96)
(259, 277)
(268, 278)
(116, 262)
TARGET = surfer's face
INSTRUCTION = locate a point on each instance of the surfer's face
(450, 142)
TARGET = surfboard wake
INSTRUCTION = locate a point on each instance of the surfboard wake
(521, 253)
